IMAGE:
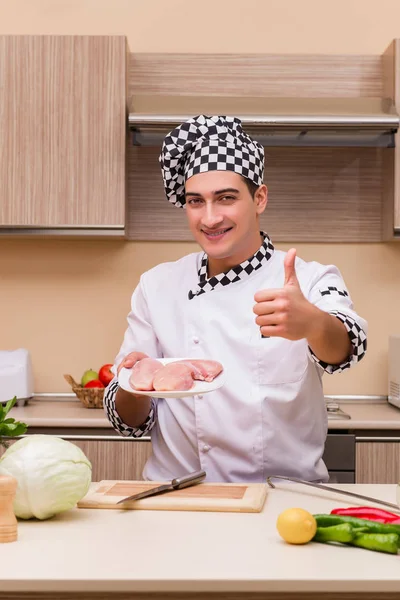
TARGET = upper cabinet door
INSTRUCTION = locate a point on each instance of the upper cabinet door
(63, 122)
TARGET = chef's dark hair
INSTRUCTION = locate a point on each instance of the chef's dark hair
(251, 186)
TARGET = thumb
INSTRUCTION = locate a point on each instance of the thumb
(290, 271)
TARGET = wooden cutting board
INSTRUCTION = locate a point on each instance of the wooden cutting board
(214, 497)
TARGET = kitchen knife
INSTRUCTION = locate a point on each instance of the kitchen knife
(176, 484)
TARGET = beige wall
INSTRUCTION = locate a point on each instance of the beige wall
(293, 26)
(67, 300)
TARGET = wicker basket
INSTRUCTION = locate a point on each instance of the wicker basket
(90, 397)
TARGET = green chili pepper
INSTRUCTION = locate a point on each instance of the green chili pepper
(324, 520)
(346, 533)
(359, 529)
(343, 533)
(380, 542)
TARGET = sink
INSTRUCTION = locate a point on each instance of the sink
(335, 412)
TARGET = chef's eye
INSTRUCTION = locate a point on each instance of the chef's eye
(227, 198)
(194, 201)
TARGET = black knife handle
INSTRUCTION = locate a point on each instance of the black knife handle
(187, 480)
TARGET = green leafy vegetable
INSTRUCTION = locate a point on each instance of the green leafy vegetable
(9, 427)
(53, 475)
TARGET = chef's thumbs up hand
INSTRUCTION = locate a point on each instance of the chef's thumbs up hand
(285, 312)
(290, 269)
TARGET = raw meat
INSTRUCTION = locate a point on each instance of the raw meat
(143, 373)
(196, 372)
(173, 377)
(203, 370)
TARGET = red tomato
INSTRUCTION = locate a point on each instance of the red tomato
(94, 383)
(105, 374)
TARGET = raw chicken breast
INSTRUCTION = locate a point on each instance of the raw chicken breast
(174, 376)
(196, 372)
(143, 373)
(203, 370)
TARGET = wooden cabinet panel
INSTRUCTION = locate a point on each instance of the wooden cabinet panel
(114, 460)
(378, 462)
(391, 174)
(316, 194)
(63, 131)
(297, 180)
(397, 207)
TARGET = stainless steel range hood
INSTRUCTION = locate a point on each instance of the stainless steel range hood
(273, 121)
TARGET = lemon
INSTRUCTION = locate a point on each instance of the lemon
(296, 526)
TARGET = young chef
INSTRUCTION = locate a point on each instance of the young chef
(274, 321)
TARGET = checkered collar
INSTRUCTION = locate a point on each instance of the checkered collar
(236, 273)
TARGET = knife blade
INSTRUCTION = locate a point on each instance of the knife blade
(176, 484)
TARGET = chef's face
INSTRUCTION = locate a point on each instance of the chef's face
(223, 216)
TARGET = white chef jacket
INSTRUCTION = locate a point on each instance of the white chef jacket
(270, 417)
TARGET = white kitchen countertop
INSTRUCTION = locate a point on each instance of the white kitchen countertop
(367, 415)
(71, 413)
(60, 413)
(149, 551)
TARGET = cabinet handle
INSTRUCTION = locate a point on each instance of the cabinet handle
(104, 438)
(93, 438)
(377, 439)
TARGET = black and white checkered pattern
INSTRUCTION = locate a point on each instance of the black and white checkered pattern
(117, 422)
(236, 273)
(331, 290)
(203, 144)
(358, 341)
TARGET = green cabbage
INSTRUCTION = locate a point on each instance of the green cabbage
(52, 474)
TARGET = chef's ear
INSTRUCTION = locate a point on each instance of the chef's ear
(261, 198)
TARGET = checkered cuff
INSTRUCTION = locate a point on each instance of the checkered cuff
(358, 341)
(117, 422)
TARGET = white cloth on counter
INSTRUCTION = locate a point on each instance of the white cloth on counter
(270, 416)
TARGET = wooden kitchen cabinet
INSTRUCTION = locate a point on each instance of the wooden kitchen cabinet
(115, 460)
(63, 122)
(123, 459)
(391, 157)
(360, 174)
(378, 462)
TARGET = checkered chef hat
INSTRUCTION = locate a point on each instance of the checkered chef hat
(208, 144)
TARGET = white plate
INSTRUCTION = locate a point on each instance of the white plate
(199, 387)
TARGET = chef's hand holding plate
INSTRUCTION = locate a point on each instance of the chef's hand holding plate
(130, 360)
(285, 312)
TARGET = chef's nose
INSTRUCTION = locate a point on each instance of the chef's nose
(211, 216)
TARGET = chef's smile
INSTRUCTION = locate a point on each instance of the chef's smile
(217, 234)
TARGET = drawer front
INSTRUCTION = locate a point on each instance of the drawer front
(340, 452)
(342, 477)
